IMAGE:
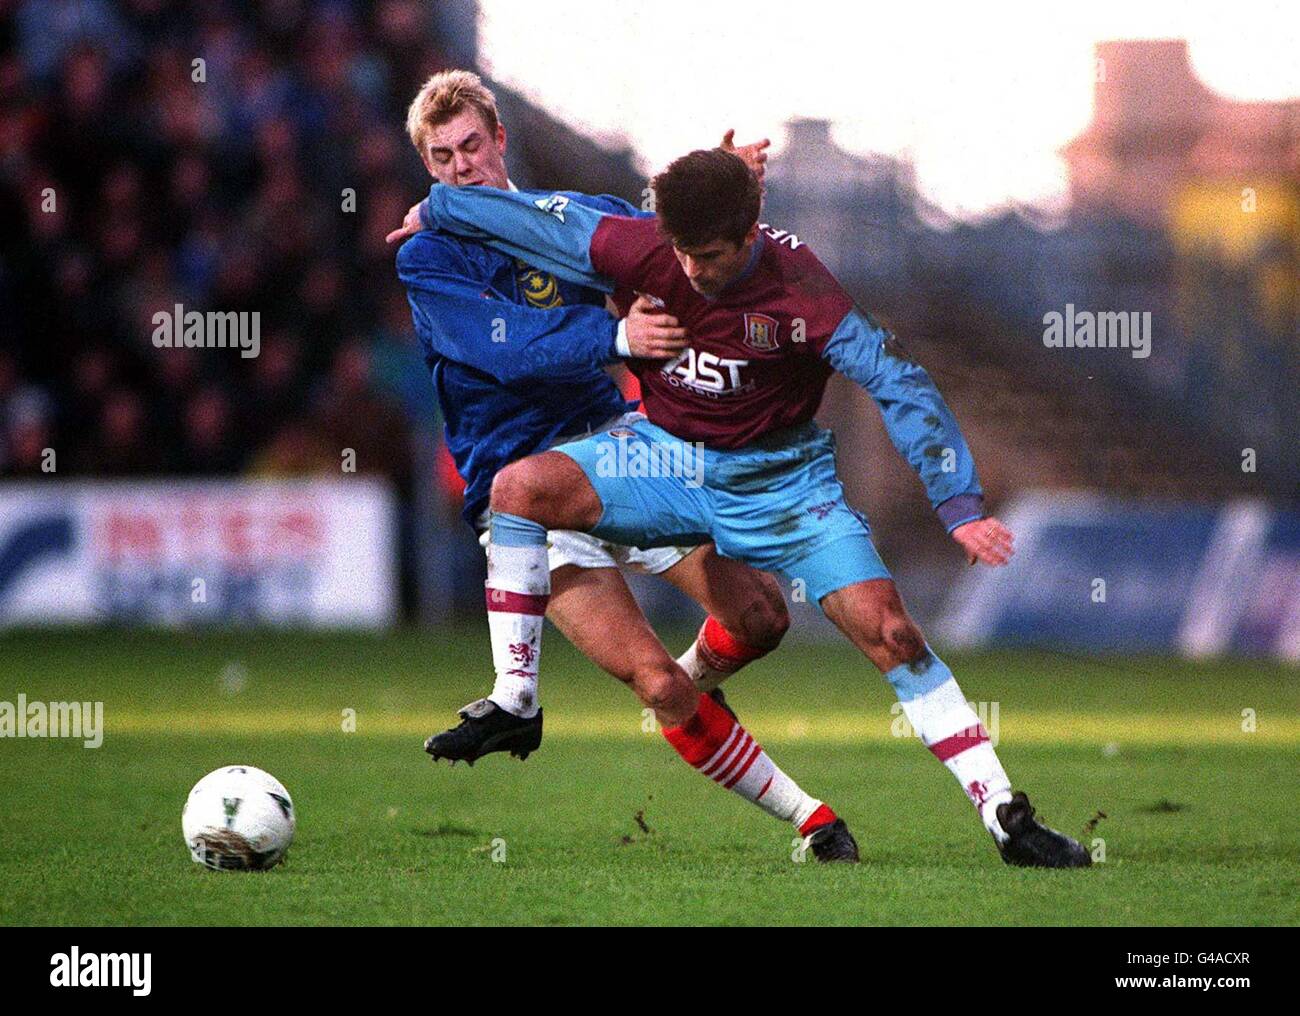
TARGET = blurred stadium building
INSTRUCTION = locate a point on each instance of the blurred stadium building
(127, 186)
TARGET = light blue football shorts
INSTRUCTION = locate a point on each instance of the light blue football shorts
(775, 504)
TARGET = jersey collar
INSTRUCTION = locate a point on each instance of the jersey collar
(750, 265)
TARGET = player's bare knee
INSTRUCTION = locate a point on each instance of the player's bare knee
(757, 614)
(903, 639)
(524, 488)
(656, 687)
(869, 634)
(664, 687)
(511, 489)
(765, 624)
(549, 488)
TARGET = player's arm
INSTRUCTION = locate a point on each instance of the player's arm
(456, 311)
(459, 315)
(924, 431)
(549, 230)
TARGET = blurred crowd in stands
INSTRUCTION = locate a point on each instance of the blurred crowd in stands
(133, 179)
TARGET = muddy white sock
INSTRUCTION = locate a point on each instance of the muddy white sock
(518, 589)
(948, 726)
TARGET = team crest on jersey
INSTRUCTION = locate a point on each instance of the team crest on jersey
(539, 288)
(554, 205)
(760, 332)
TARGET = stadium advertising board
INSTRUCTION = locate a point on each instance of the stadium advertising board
(312, 553)
(1096, 574)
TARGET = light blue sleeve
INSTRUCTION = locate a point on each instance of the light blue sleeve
(550, 230)
(919, 422)
(458, 315)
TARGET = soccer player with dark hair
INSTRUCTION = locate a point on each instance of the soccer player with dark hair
(768, 325)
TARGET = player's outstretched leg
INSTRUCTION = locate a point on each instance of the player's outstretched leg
(872, 615)
(596, 611)
(718, 746)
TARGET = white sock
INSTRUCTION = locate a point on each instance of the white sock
(703, 676)
(518, 587)
(951, 730)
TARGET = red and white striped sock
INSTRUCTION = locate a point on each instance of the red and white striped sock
(950, 729)
(720, 748)
(518, 588)
(715, 654)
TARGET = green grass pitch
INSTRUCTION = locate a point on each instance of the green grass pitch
(605, 824)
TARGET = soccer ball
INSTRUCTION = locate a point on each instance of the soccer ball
(238, 818)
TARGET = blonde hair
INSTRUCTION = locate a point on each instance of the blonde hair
(445, 95)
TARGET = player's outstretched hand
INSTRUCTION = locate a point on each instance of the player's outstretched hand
(410, 225)
(986, 540)
(653, 333)
(754, 154)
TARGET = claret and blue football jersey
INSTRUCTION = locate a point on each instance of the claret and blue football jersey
(760, 352)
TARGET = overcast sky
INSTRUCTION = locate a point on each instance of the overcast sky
(982, 95)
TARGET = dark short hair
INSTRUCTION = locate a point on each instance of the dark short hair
(705, 196)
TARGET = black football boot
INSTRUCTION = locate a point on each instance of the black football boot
(833, 842)
(1030, 844)
(484, 728)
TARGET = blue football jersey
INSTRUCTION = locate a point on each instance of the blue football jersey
(517, 356)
